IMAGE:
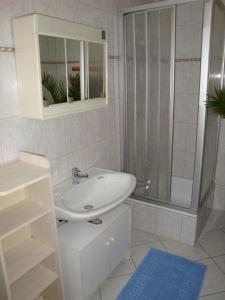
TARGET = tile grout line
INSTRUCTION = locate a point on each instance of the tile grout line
(218, 293)
(218, 265)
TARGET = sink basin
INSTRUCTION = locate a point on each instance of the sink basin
(93, 196)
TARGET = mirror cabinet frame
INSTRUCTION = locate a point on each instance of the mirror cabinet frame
(27, 30)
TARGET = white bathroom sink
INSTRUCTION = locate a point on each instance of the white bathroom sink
(94, 196)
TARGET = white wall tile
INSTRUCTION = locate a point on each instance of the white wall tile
(51, 138)
(188, 231)
(77, 159)
(143, 217)
(59, 169)
(168, 224)
(11, 138)
(9, 104)
(76, 132)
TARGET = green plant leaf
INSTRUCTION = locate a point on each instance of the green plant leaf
(216, 103)
(56, 89)
(74, 86)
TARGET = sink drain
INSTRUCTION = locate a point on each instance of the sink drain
(88, 207)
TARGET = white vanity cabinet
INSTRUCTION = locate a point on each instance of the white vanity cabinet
(90, 252)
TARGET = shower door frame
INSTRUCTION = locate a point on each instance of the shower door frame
(202, 113)
(150, 8)
(206, 44)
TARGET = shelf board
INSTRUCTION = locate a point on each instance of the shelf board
(33, 283)
(19, 175)
(25, 256)
(19, 215)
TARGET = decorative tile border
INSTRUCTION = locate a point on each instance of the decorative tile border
(7, 50)
(114, 57)
(188, 59)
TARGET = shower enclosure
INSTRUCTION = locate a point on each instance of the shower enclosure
(173, 58)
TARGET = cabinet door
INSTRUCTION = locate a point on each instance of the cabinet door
(119, 238)
(95, 264)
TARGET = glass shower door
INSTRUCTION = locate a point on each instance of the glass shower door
(212, 120)
(149, 100)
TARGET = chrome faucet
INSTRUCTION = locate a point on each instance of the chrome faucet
(76, 176)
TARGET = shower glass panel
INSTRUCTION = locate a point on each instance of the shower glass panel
(212, 120)
(148, 93)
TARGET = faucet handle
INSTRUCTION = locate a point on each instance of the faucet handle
(75, 171)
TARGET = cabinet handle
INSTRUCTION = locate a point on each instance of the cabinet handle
(107, 243)
(112, 239)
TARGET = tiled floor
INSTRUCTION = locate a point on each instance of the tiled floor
(210, 250)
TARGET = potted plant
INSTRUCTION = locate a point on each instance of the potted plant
(216, 103)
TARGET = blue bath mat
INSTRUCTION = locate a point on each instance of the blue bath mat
(164, 276)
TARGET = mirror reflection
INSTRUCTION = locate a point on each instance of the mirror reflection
(96, 70)
(53, 69)
(73, 69)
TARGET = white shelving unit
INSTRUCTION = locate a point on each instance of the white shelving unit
(29, 256)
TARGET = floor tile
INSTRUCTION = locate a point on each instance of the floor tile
(210, 225)
(220, 221)
(126, 267)
(95, 296)
(139, 252)
(213, 242)
(194, 253)
(220, 296)
(220, 261)
(139, 237)
(111, 287)
(214, 281)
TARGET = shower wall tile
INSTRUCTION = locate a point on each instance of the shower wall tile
(189, 165)
(168, 224)
(187, 78)
(186, 108)
(180, 134)
(190, 13)
(190, 137)
(183, 164)
(178, 163)
(188, 39)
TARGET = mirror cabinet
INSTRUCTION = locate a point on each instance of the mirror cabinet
(61, 66)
